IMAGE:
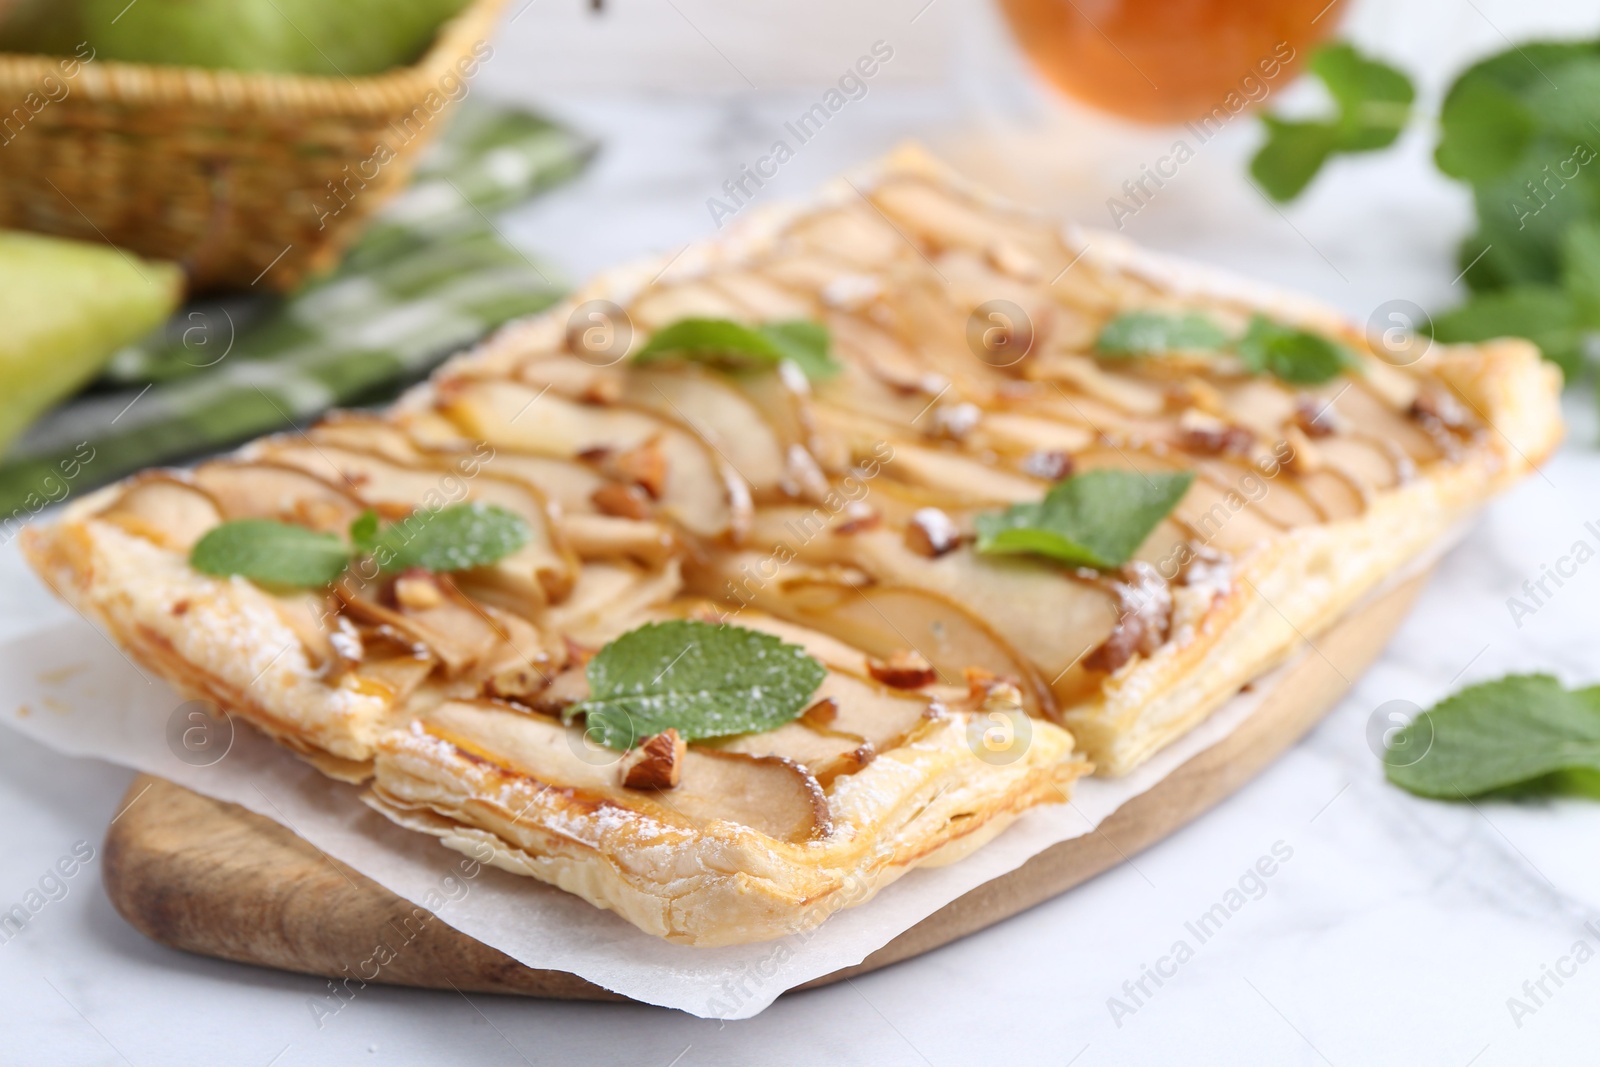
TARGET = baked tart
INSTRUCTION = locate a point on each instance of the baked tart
(994, 501)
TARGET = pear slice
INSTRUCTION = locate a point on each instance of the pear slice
(164, 509)
(701, 490)
(461, 633)
(772, 795)
(255, 489)
(720, 414)
(825, 754)
(67, 306)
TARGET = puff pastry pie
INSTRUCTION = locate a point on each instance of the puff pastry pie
(838, 515)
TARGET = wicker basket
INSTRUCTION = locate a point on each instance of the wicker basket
(244, 179)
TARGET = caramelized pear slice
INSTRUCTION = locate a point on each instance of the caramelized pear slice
(769, 794)
(701, 491)
(260, 489)
(720, 414)
(461, 633)
(826, 754)
(164, 509)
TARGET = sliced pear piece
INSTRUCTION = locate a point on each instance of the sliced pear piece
(261, 489)
(883, 620)
(825, 754)
(608, 600)
(164, 509)
(461, 633)
(768, 794)
(721, 415)
(701, 490)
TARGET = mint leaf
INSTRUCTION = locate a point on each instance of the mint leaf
(702, 679)
(278, 553)
(454, 538)
(1580, 272)
(1484, 130)
(1292, 155)
(1095, 519)
(1374, 99)
(1297, 356)
(805, 343)
(1498, 735)
(1152, 333)
(364, 532)
(1541, 313)
(1373, 104)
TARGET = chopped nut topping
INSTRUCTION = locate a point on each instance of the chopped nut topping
(954, 422)
(1049, 464)
(417, 590)
(1200, 432)
(858, 518)
(802, 469)
(1145, 618)
(1304, 457)
(657, 763)
(646, 465)
(822, 713)
(905, 669)
(622, 501)
(517, 683)
(603, 388)
(1315, 417)
(931, 533)
(180, 607)
(1441, 407)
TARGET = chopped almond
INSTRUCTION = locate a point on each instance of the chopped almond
(1440, 407)
(645, 465)
(955, 422)
(1208, 434)
(622, 501)
(858, 518)
(905, 669)
(931, 533)
(517, 683)
(1049, 464)
(1315, 417)
(657, 763)
(822, 713)
(417, 591)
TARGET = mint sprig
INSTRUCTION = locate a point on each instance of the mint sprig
(1155, 333)
(704, 680)
(277, 553)
(454, 538)
(1095, 519)
(1372, 105)
(805, 343)
(1523, 732)
(1292, 355)
(1267, 347)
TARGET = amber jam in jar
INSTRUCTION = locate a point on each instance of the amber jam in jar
(1165, 61)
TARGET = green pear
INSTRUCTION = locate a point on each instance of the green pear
(67, 306)
(329, 37)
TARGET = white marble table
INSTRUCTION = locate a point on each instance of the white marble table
(1395, 934)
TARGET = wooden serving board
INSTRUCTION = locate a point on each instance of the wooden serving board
(210, 877)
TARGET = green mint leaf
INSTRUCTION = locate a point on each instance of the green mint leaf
(1373, 104)
(1153, 333)
(454, 538)
(1580, 272)
(1514, 732)
(1095, 519)
(704, 680)
(1296, 356)
(1541, 313)
(1374, 99)
(364, 532)
(805, 343)
(1292, 155)
(1484, 131)
(278, 553)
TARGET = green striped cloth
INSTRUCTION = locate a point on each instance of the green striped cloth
(429, 276)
